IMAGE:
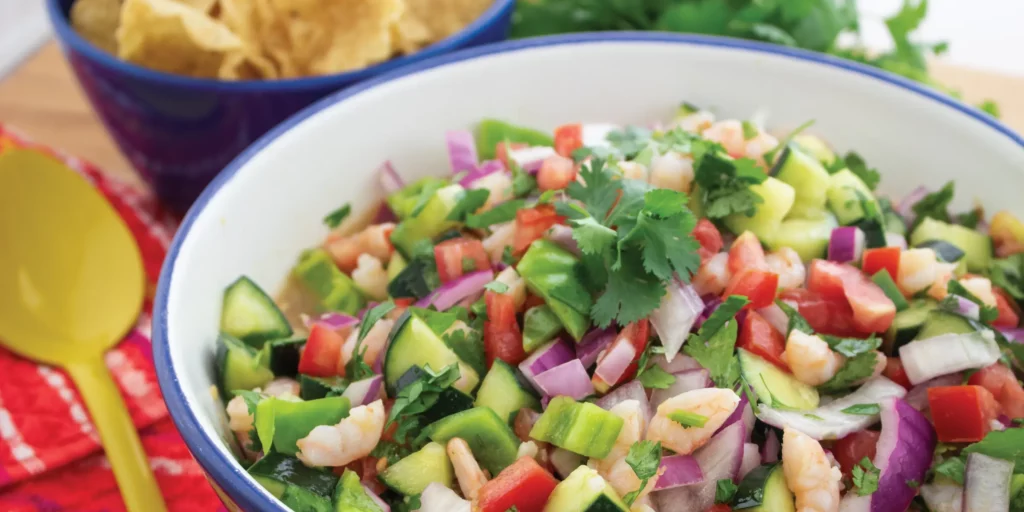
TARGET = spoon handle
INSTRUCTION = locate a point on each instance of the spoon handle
(120, 439)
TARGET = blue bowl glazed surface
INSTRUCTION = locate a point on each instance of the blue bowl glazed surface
(179, 132)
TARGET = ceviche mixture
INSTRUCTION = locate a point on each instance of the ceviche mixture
(691, 317)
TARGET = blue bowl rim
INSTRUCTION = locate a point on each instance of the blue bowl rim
(68, 36)
(203, 445)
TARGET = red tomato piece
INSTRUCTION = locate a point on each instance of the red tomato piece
(321, 356)
(460, 256)
(1001, 382)
(962, 414)
(720, 507)
(637, 333)
(556, 173)
(523, 485)
(531, 223)
(881, 258)
(568, 138)
(894, 371)
(852, 449)
(873, 311)
(1008, 317)
(709, 238)
(757, 285)
(826, 278)
(759, 337)
(532, 301)
(746, 253)
(501, 151)
(502, 337)
(827, 316)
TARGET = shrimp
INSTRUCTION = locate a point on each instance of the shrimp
(787, 264)
(728, 133)
(239, 419)
(813, 480)
(370, 277)
(633, 428)
(501, 237)
(633, 171)
(351, 439)
(373, 344)
(713, 275)
(471, 478)
(516, 285)
(712, 403)
(282, 387)
(919, 269)
(810, 358)
(760, 144)
(499, 184)
(980, 287)
(696, 122)
(672, 171)
(623, 479)
(374, 240)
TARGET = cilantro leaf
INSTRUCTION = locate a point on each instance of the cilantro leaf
(335, 218)
(716, 354)
(749, 130)
(251, 398)
(592, 237)
(952, 468)
(856, 165)
(852, 347)
(723, 313)
(631, 293)
(523, 183)
(390, 450)
(865, 477)
(986, 314)
(644, 457)
(863, 409)
(725, 185)
(417, 397)
(507, 257)
(496, 287)
(796, 320)
(357, 368)
(725, 490)
(504, 212)
(629, 141)
(651, 375)
(373, 316)
(934, 205)
(468, 202)
(601, 190)
(663, 231)
(1008, 274)
(1003, 444)
(853, 371)
(688, 419)
(468, 345)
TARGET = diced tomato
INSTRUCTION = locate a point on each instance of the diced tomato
(523, 485)
(532, 301)
(531, 223)
(637, 333)
(759, 337)
(720, 507)
(757, 285)
(1007, 316)
(709, 238)
(881, 258)
(460, 256)
(556, 173)
(502, 337)
(1001, 382)
(827, 316)
(962, 414)
(501, 151)
(746, 253)
(321, 357)
(873, 311)
(568, 138)
(852, 449)
(894, 371)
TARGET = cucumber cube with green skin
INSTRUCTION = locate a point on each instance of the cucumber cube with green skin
(336, 291)
(250, 315)
(809, 180)
(977, 246)
(808, 237)
(414, 473)
(584, 490)
(846, 196)
(312, 388)
(907, 324)
(298, 499)
(764, 489)
(239, 366)
(276, 471)
(404, 201)
(351, 496)
(492, 131)
(280, 423)
(815, 147)
(778, 200)
(428, 223)
(579, 427)
(774, 386)
(550, 272)
(941, 322)
(488, 436)
(413, 343)
(396, 266)
(540, 325)
(503, 392)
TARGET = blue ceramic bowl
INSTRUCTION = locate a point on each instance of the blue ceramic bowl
(179, 132)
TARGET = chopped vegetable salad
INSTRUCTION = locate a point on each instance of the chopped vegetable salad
(698, 316)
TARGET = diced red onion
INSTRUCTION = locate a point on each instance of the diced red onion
(363, 392)
(333, 321)
(616, 360)
(846, 244)
(461, 150)
(562, 235)
(685, 381)
(917, 397)
(680, 363)
(592, 344)
(384, 214)
(719, 459)
(896, 240)
(1015, 335)
(531, 158)
(384, 507)
(567, 379)
(772, 447)
(987, 484)
(678, 470)
(776, 317)
(742, 413)
(438, 498)
(566, 462)
(906, 205)
(942, 496)
(751, 459)
(390, 181)
(632, 390)
(545, 358)
(828, 421)
(948, 353)
(450, 293)
(675, 316)
(967, 308)
(478, 172)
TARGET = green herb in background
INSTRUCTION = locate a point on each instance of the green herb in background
(810, 24)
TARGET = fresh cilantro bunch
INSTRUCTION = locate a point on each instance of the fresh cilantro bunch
(417, 397)
(725, 185)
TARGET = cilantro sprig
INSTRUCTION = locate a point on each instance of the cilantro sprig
(865, 477)
(644, 457)
(725, 185)
(714, 344)
(417, 397)
(651, 375)
(357, 368)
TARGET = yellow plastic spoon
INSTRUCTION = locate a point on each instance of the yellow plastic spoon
(71, 286)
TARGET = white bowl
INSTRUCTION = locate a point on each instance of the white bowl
(268, 204)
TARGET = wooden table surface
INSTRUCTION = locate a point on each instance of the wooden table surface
(42, 100)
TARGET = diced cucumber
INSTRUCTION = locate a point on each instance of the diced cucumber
(585, 491)
(846, 193)
(239, 366)
(396, 266)
(336, 291)
(550, 272)
(282, 356)
(579, 427)
(299, 499)
(888, 286)
(280, 423)
(414, 473)
(695, 204)
(351, 496)
(413, 343)
(504, 393)
(404, 201)
(449, 401)
(977, 246)
(312, 388)
(250, 315)
(491, 440)
(808, 237)
(430, 222)
(492, 131)
(540, 325)
(809, 180)
(275, 471)
(774, 386)
(815, 147)
(778, 201)
(907, 323)
(764, 489)
(945, 251)
(941, 322)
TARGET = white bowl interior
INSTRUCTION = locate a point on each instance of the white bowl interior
(273, 206)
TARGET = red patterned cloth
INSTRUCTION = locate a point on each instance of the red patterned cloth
(50, 456)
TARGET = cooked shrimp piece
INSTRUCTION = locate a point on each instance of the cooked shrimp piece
(373, 345)
(501, 237)
(373, 240)
(696, 122)
(813, 480)
(712, 403)
(633, 171)
(642, 505)
(787, 264)
(810, 359)
(376, 241)
(516, 285)
(623, 479)
(467, 471)
(633, 428)
(351, 439)
(728, 133)
(370, 277)
(713, 275)
(239, 419)
(672, 171)
(919, 269)
(980, 287)
(282, 387)
(499, 184)
(760, 144)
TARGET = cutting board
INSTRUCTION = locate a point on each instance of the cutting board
(42, 99)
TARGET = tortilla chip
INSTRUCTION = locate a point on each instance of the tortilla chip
(409, 34)
(169, 36)
(272, 36)
(97, 21)
(446, 17)
(199, 5)
(240, 17)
